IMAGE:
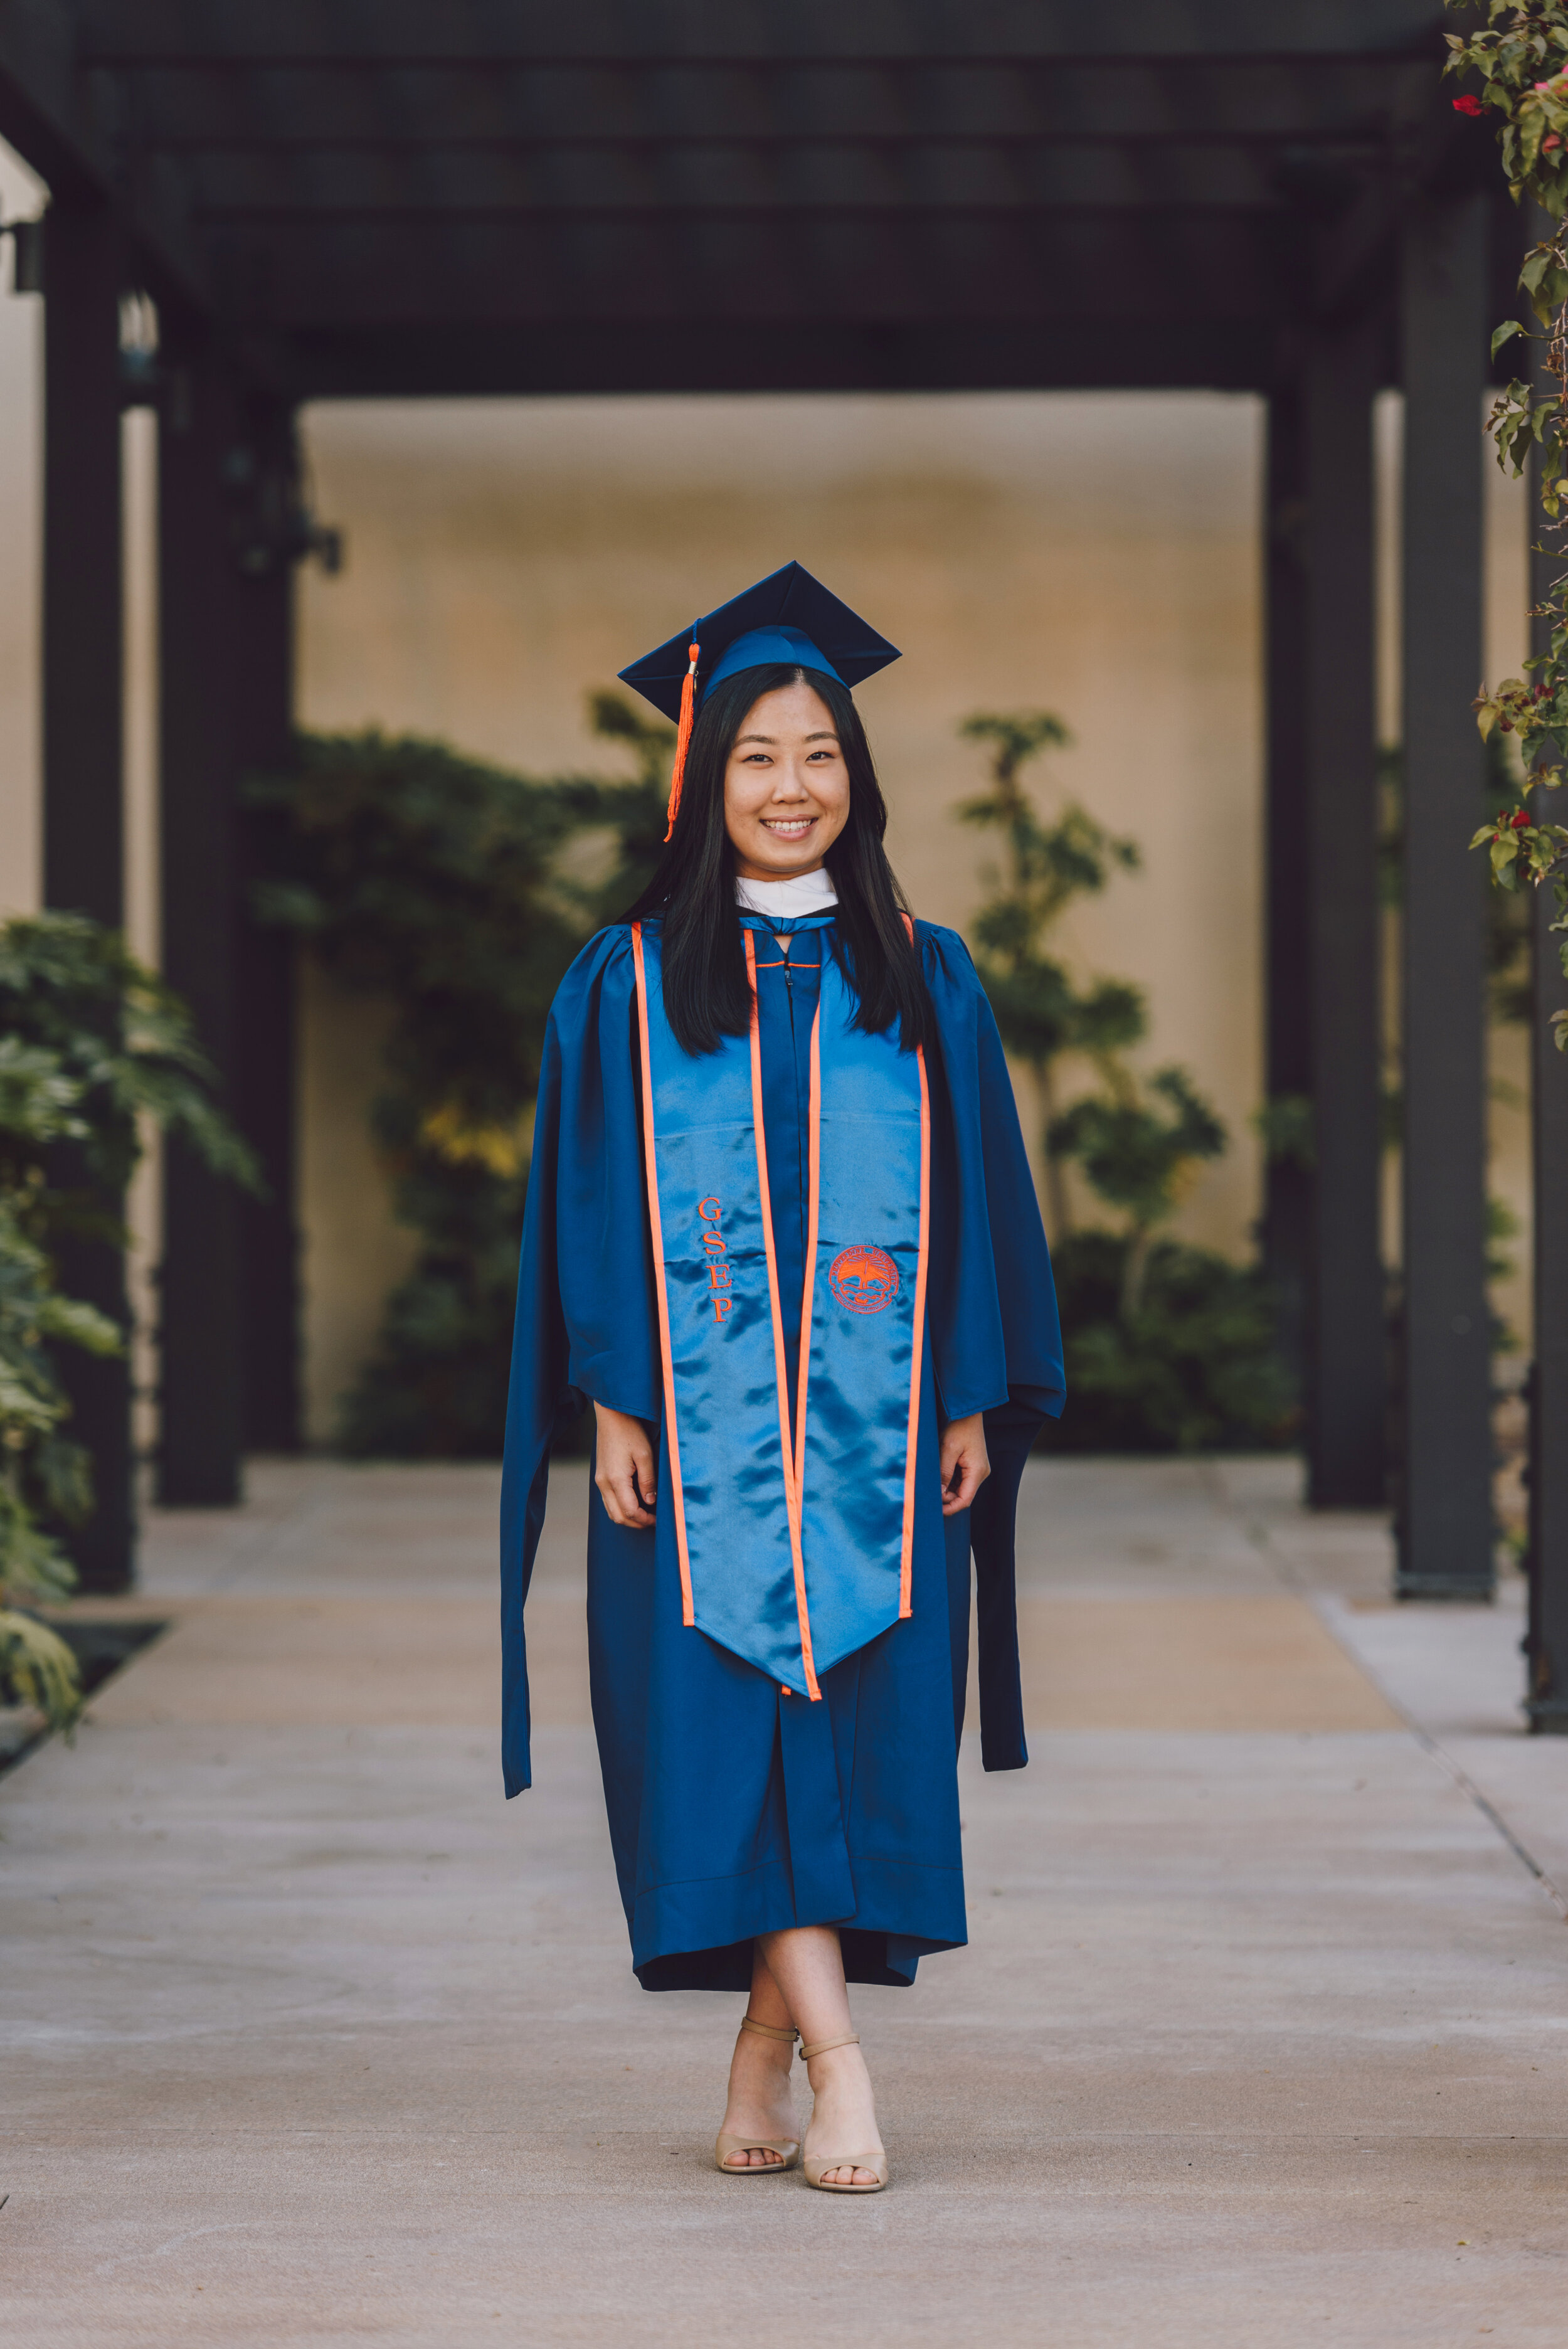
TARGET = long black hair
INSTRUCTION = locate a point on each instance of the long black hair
(693, 888)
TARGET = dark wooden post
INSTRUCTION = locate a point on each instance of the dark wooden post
(264, 1070)
(1445, 1510)
(84, 824)
(202, 1328)
(1345, 1343)
(84, 830)
(1287, 1183)
(1546, 1703)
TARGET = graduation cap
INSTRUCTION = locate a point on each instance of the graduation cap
(786, 618)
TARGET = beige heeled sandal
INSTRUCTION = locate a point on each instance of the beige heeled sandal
(814, 2167)
(787, 2148)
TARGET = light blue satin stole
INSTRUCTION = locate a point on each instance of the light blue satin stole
(794, 1541)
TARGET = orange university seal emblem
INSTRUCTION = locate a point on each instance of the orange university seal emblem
(863, 1279)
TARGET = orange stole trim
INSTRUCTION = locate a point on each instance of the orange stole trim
(791, 1484)
(656, 1227)
(906, 1554)
(813, 1201)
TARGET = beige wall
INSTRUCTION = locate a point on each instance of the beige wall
(1097, 556)
(354, 1252)
(1094, 554)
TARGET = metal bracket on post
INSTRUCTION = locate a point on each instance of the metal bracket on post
(26, 254)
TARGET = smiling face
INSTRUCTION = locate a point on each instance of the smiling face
(785, 786)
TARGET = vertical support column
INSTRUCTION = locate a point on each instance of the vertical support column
(1287, 1048)
(84, 826)
(1446, 1514)
(83, 821)
(264, 1068)
(1345, 1341)
(1546, 1703)
(201, 1301)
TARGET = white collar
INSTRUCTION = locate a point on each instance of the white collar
(799, 893)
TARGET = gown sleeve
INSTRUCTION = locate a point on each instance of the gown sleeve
(586, 1321)
(996, 1341)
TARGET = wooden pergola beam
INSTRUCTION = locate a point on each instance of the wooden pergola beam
(1241, 105)
(638, 271)
(296, 166)
(1074, 352)
(424, 32)
(47, 114)
(968, 179)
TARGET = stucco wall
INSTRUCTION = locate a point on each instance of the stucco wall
(1095, 556)
(354, 1251)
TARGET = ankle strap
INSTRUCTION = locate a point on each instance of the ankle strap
(769, 2030)
(822, 2046)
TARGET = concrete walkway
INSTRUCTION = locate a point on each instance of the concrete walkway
(1260, 2038)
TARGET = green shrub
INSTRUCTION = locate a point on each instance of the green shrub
(441, 884)
(92, 1048)
(1191, 1368)
(1169, 1347)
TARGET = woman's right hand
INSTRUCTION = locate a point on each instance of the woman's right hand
(624, 1468)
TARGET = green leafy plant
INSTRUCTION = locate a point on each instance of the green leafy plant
(93, 1047)
(444, 885)
(1169, 1347)
(43, 1475)
(1191, 1367)
(1040, 1011)
(1518, 59)
(1140, 1147)
(638, 811)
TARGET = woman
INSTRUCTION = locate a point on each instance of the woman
(782, 1231)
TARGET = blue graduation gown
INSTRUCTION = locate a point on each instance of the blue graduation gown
(735, 1808)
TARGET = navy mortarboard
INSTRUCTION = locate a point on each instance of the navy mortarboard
(786, 618)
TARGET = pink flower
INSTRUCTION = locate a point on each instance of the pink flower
(1520, 819)
(1468, 104)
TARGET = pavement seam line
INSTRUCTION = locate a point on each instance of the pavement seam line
(1257, 1534)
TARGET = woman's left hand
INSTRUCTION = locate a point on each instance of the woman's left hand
(964, 1459)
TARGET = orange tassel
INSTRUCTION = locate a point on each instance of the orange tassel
(683, 736)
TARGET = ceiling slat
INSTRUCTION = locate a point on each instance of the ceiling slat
(1246, 103)
(236, 33)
